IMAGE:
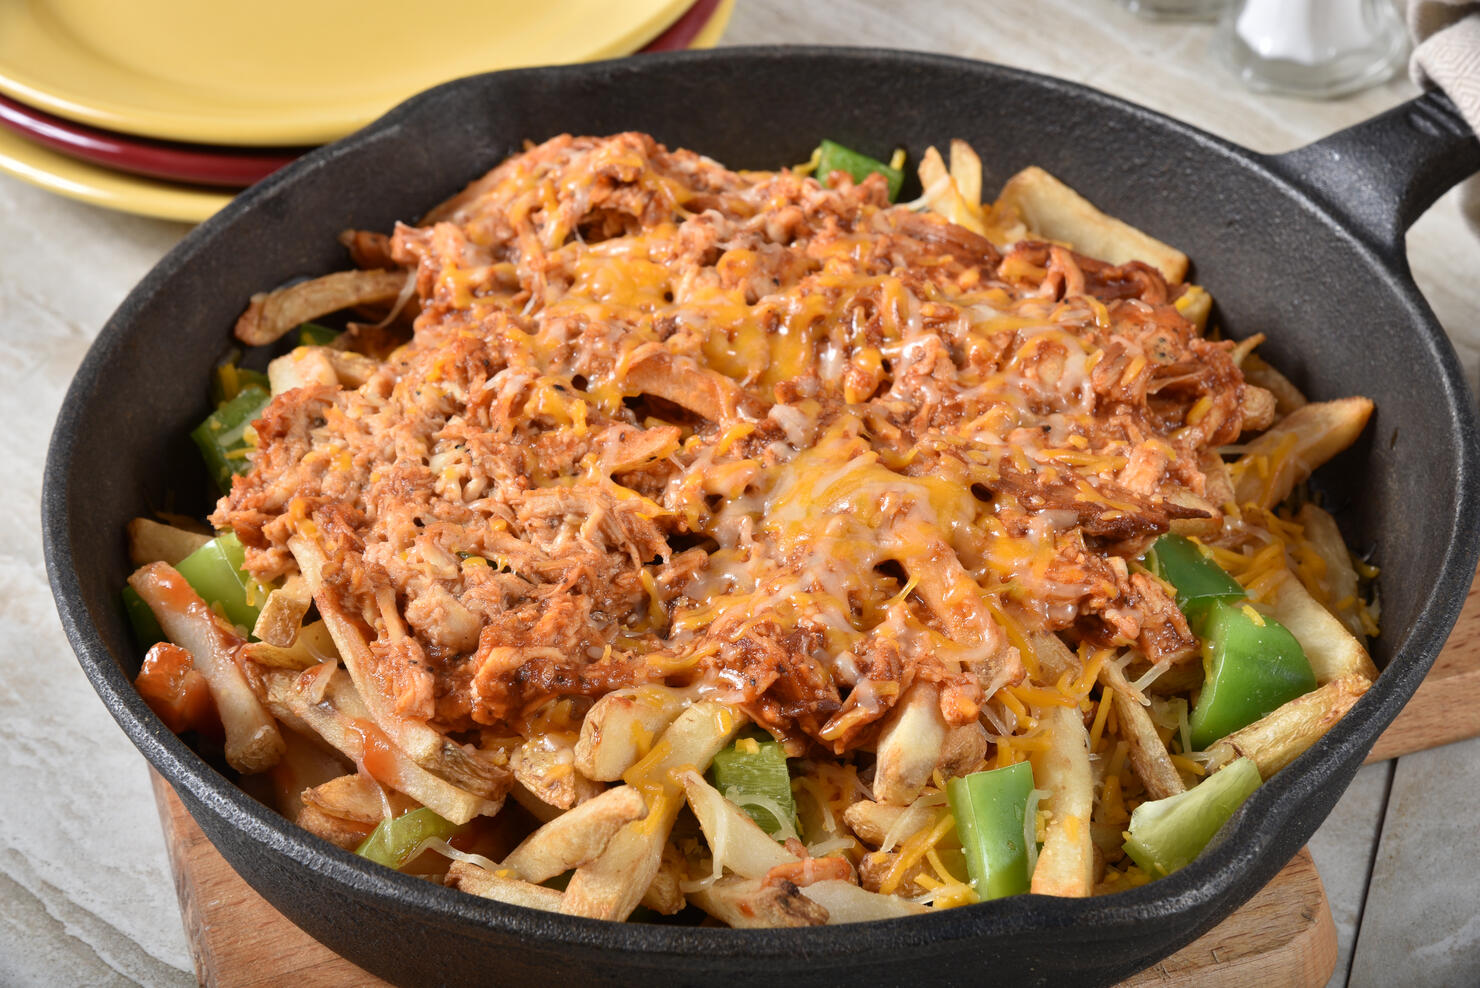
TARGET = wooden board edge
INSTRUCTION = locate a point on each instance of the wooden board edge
(1284, 935)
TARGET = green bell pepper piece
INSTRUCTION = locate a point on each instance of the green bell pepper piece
(215, 572)
(1167, 834)
(1199, 581)
(147, 631)
(394, 842)
(754, 765)
(990, 809)
(312, 334)
(836, 158)
(222, 436)
(1251, 666)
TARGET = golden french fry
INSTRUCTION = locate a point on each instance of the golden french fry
(154, 542)
(576, 837)
(879, 824)
(847, 903)
(324, 701)
(749, 903)
(357, 798)
(312, 644)
(1196, 305)
(282, 612)
(1258, 408)
(910, 745)
(1054, 211)
(1281, 736)
(665, 894)
(942, 195)
(253, 743)
(1148, 755)
(1287, 396)
(468, 877)
(1287, 454)
(963, 751)
(348, 834)
(1332, 650)
(620, 728)
(1054, 657)
(735, 840)
(1066, 862)
(271, 314)
(546, 767)
(611, 886)
(1340, 577)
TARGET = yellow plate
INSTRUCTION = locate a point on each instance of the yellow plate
(286, 71)
(101, 186)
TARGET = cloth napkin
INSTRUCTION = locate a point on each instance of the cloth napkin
(1446, 51)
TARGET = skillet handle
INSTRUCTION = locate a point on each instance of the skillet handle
(1382, 174)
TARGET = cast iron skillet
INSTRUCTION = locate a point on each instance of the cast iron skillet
(1305, 245)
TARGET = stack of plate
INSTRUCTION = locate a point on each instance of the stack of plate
(168, 107)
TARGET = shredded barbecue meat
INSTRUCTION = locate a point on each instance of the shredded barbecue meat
(788, 445)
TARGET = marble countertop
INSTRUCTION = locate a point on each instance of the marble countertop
(85, 891)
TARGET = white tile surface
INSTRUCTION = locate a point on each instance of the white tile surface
(85, 896)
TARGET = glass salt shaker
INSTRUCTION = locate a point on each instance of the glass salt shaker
(1312, 48)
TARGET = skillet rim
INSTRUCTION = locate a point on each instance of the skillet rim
(1213, 876)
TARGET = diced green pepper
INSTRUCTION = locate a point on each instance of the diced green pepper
(222, 436)
(1167, 834)
(312, 334)
(836, 158)
(752, 773)
(147, 631)
(394, 842)
(990, 809)
(215, 572)
(1251, 666)
(1200, 582)
(229, 380)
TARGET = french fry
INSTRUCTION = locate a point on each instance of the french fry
(876, 823)
(311, 645)
(1066, 862)
(1332, 650)
(1258, 408)
(1054, 211)
(253, 743)
(1288, 453)
(1340, 578)
(154, 542)
(356, 797)
(665, 895)
(611, 886)
(340, 717)
(545, 766)
(620, 727)
(468, 877)
(1053, 656)
(681, 380)
(272, 314)
(909, 746)
(1287, 396)
(749, 903)
(847, 903)
(307, 762)
(576, 837)
(1196, 305)
(1281, 736)
(425, 745)
(735, 840)
(1148, 755)
(944, 196)
(282, 612)
(309, 365)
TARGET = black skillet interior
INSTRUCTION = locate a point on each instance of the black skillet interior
(1342, 316)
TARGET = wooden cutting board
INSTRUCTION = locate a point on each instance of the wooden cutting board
(1283, 936)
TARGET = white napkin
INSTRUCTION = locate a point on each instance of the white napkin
(1446, 51)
